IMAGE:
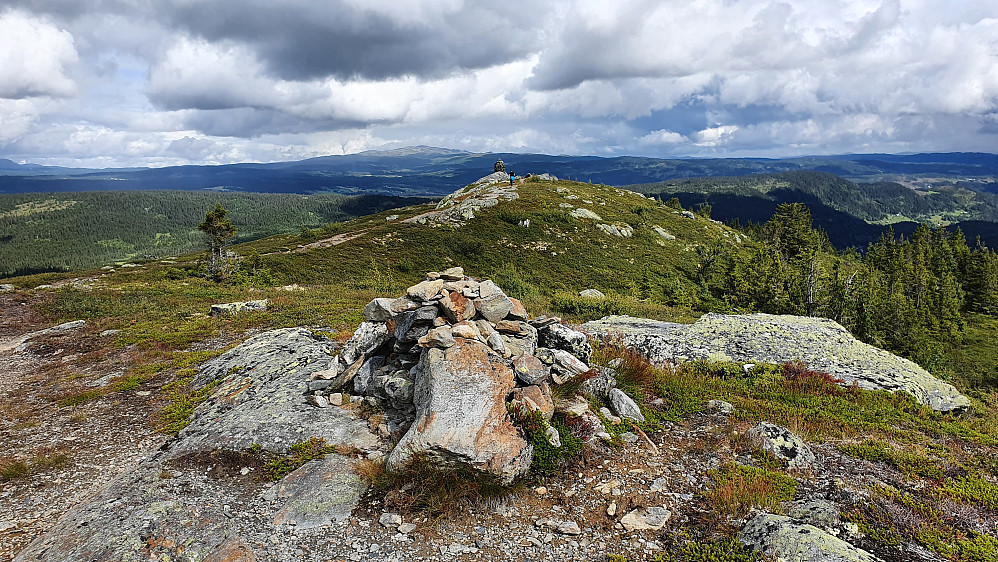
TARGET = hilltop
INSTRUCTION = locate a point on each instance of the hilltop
(89, 404)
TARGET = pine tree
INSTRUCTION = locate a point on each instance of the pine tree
(218, 229)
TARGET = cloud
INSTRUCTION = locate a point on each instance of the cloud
(34, 57)
(372, 40)
(134, 82)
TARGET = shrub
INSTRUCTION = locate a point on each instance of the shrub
(12, 469)
(910, 464)
(737, 489)
(974, 490)
(423, 485)
(298, 455)
(547, 459)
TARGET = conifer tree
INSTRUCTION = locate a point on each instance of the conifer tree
(218, 229)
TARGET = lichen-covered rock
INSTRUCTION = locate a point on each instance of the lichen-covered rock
(317, 493)
(820, 513)
(779, 537)
(782, 443)
(368, 337)
(460, 397)
(560, 336)
(651, 519)
(379, 310)
(143, 514)
(259, 398)
(425, 290)
(581, 213)
(237, 307)
(823, 345)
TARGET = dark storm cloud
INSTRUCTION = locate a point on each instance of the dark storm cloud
(308, 40)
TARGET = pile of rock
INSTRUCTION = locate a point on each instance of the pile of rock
(444, 361)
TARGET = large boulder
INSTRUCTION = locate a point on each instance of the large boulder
(460, 398)
(823, 345)
(781, 538)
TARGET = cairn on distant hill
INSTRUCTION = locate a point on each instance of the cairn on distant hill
(444, 361)
(499, 166)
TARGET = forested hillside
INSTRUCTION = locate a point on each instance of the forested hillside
(853, 214)
(64, 231)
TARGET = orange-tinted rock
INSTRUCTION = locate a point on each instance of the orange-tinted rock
(461, 413)
(457, 307)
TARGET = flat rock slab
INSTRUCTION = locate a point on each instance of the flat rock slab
(822, 344)
(169, 506)
(779, 537)
(261, 401)
(317, 493)
(132, 518)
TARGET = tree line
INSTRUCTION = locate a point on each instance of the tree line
(905, 294)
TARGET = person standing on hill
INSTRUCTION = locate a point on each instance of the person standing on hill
(512, 177)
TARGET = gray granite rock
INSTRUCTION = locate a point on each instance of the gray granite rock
(781, 538)
(560, 336)
(460, 398)
(782, 443)
(822, 345)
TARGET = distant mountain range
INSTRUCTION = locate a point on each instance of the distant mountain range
(428, 171)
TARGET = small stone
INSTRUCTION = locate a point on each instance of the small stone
(720, 406)
(569, 528)
(438, 337)
(336, 399)
(553, 437)
(592, 294)
(465, 330)
(625, 406)
(390, 520)
(453, 274)
(628, 437)
(425, 290)
(317, 400)
(611, 509)
(406, 528)
(540, 490)
(606, 413)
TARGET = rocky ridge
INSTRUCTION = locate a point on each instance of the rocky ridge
(821, 344)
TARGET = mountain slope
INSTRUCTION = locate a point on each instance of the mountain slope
(851, 213)
(558, 253)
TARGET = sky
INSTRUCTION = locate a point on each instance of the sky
(110, 83)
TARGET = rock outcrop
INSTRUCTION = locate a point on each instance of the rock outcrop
(781, 538)
(782, 444)
(237, 307)
(461, 206)
(822, 344)
(170, 505)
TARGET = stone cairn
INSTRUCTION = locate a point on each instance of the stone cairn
(445, 360)
(499, 166)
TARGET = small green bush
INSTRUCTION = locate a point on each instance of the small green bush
(738, 488)
(974, 490)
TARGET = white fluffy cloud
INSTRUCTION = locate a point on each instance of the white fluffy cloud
(35, 57)
(152, 83)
